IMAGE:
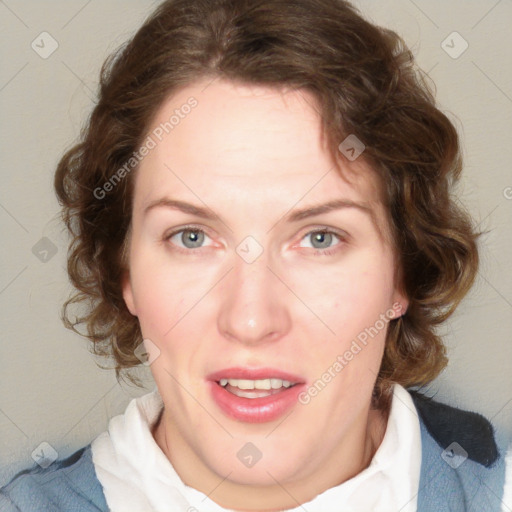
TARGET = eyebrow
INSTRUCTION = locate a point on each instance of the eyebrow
(174, 204)
(295, 216)
(336, 204)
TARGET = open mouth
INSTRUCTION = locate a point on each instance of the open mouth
(260, 388)
(255, 395)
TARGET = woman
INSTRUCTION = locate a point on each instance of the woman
(260, 211)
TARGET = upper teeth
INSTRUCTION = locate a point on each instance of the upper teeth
(256, 384)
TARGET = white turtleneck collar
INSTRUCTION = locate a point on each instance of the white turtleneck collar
(136, 475)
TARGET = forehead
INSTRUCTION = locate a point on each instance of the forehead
(249, 140)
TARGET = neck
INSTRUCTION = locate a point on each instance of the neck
(269, 498)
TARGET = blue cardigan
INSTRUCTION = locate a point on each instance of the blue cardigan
(447, 481)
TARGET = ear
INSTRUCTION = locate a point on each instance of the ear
(126, 287)
(400, 303)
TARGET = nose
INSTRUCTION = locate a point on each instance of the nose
(253, 307)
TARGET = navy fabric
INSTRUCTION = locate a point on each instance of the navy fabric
(477, 484)
(471, 487)
(447, 424)
(446, 484)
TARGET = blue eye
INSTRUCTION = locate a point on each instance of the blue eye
(321, 241)
(189, 238)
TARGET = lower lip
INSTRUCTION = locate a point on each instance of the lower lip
(255, 410)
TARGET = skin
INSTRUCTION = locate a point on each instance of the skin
(253, 154)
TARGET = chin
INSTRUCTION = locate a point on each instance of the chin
(257, 472)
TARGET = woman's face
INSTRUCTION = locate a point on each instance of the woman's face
(232, 283)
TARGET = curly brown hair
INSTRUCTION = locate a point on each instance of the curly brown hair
(366, 83)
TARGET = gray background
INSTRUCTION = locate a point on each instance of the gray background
(50, 388)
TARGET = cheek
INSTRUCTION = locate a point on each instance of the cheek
(169, 300)
(158, 296)
(351, 297)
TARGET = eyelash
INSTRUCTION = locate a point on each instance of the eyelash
(330, 251)
(317, 252)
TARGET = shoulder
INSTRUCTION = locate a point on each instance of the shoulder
(68, 484)
(448, 424)
(463, 458)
